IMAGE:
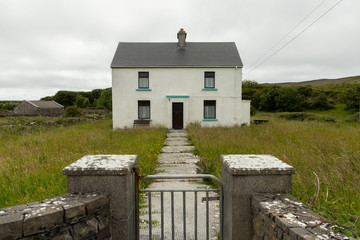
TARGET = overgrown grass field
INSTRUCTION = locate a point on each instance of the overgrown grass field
(326, 158)
(32, 156)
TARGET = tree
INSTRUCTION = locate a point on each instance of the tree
(81, 102)
(250, 84)
(321, 102)
(267, 100)
(351, 98)
(47, 98)
(306, 91)
(65, 98)
(251, 90)
(281, 99)
(94, 95)
(105, 99)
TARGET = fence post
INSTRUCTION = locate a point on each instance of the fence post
(242, 176)
(113, 176)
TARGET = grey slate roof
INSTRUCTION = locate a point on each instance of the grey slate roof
(166, 54)
(45, 104)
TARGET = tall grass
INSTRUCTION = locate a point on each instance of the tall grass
(31, 161)
(326, 158)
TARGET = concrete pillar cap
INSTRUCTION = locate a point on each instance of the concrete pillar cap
(256, 165)
(102, 165)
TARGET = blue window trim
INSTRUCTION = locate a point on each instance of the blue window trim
(177, 96)
(210, 119)
(209, 89)
(143, 89)
(149, 119)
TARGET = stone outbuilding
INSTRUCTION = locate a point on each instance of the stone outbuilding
(39, 108)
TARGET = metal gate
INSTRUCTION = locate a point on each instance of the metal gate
(170, 200)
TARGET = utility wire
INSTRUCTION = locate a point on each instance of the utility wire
(287, 34)
(291, 40)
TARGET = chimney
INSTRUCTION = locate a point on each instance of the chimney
(181, 38)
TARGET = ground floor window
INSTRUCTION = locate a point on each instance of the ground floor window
(209, 109)
(144, 109)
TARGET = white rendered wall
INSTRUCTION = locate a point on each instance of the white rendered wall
(245, 112)
(183, 85)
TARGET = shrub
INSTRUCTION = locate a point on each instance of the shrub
(321, 103)
(72, 111)
(7, 106)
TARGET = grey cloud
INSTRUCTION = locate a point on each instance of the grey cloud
(47, 46)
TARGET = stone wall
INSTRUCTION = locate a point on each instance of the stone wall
(281, 216)
(7, 113)
(95, 111)
(70, 216)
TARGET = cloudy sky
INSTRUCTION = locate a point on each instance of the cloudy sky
(46, 46)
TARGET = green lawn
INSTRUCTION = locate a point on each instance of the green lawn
(328, 153)
(32, 157)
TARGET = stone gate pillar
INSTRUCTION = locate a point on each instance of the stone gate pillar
(113, 176)
(242, 176)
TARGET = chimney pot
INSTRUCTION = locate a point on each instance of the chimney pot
(181, 38)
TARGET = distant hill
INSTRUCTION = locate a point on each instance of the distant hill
(353, 79)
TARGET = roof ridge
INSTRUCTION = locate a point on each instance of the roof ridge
(31, 102)
(167, 54)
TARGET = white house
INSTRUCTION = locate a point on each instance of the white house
(177, 83)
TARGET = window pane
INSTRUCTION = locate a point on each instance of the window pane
(210, 74)
(209, 82)
(143, 83)
(144, 112)
(144, 74)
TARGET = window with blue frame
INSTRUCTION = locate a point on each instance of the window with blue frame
(209, 80)
(144, 109)
(209, 109)
(143, 80)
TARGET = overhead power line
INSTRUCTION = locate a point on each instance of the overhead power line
(291, 40)
(288, 33)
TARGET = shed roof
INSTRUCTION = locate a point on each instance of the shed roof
(45, 104)
(167, 54)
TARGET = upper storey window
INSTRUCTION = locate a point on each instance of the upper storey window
(209, 81)
(143, 79)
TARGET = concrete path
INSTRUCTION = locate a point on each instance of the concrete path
(176, 158)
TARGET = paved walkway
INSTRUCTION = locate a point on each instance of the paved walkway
(176, 158)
